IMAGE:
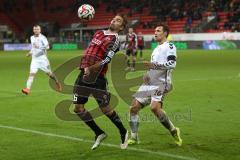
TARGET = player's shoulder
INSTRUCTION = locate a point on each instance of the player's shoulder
(116, 39)
(99, 31)
(113, 36)
(169, 45)
(43, 36)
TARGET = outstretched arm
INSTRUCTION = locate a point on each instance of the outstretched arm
(170, 64)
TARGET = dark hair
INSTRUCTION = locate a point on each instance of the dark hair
(125, 19)
(165, 28)
(131, 28)
(37, 25)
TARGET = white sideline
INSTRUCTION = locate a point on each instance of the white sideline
(89, 141)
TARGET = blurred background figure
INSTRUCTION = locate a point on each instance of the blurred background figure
(140, 42)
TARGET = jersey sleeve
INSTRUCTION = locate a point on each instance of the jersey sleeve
(170, 62)
(45, 44)
(171, 50)
(171, 57)
(111, 49)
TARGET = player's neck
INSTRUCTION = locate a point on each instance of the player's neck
(111, 31)
(162, 41)
(37, 35)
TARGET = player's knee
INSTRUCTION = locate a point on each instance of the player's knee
(107, 111)
(134, 109)
(155, 109)
(79, 109)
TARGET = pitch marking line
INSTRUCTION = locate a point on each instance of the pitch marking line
(89, 141)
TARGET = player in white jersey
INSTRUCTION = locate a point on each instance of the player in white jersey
(157, 82)
(39, 59)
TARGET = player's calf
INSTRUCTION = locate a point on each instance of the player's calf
(85, 116)
(133, 63)
(128, 63)
(134, 122)
(29, 84)
(162, 116)
(58, 84)
(113, 116)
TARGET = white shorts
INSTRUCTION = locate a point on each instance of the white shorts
(42, 64)
(148, 93)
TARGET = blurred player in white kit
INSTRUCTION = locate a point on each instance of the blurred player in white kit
(39, 59)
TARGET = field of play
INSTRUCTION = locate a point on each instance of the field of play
(204, 104)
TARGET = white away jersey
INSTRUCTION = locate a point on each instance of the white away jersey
(160, 56)
(39, 46)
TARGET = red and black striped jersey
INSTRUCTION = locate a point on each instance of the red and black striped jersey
(140, 40)
(131, 40)
(101, 49)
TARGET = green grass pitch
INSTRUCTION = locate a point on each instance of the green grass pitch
(205, 104)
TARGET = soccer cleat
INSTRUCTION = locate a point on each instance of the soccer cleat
(132, 69)
(124, 138)
(26, 91)
(176, 135)
(98, 140)
(59, 86)
(133, 141)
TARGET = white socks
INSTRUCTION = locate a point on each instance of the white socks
(134, 135)
(29, 82)
(134, 123)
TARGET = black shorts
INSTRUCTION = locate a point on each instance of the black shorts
(140, 47)
(130, 52)
(82, 90)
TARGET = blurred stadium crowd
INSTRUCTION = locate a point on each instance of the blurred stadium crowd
(182, 16)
